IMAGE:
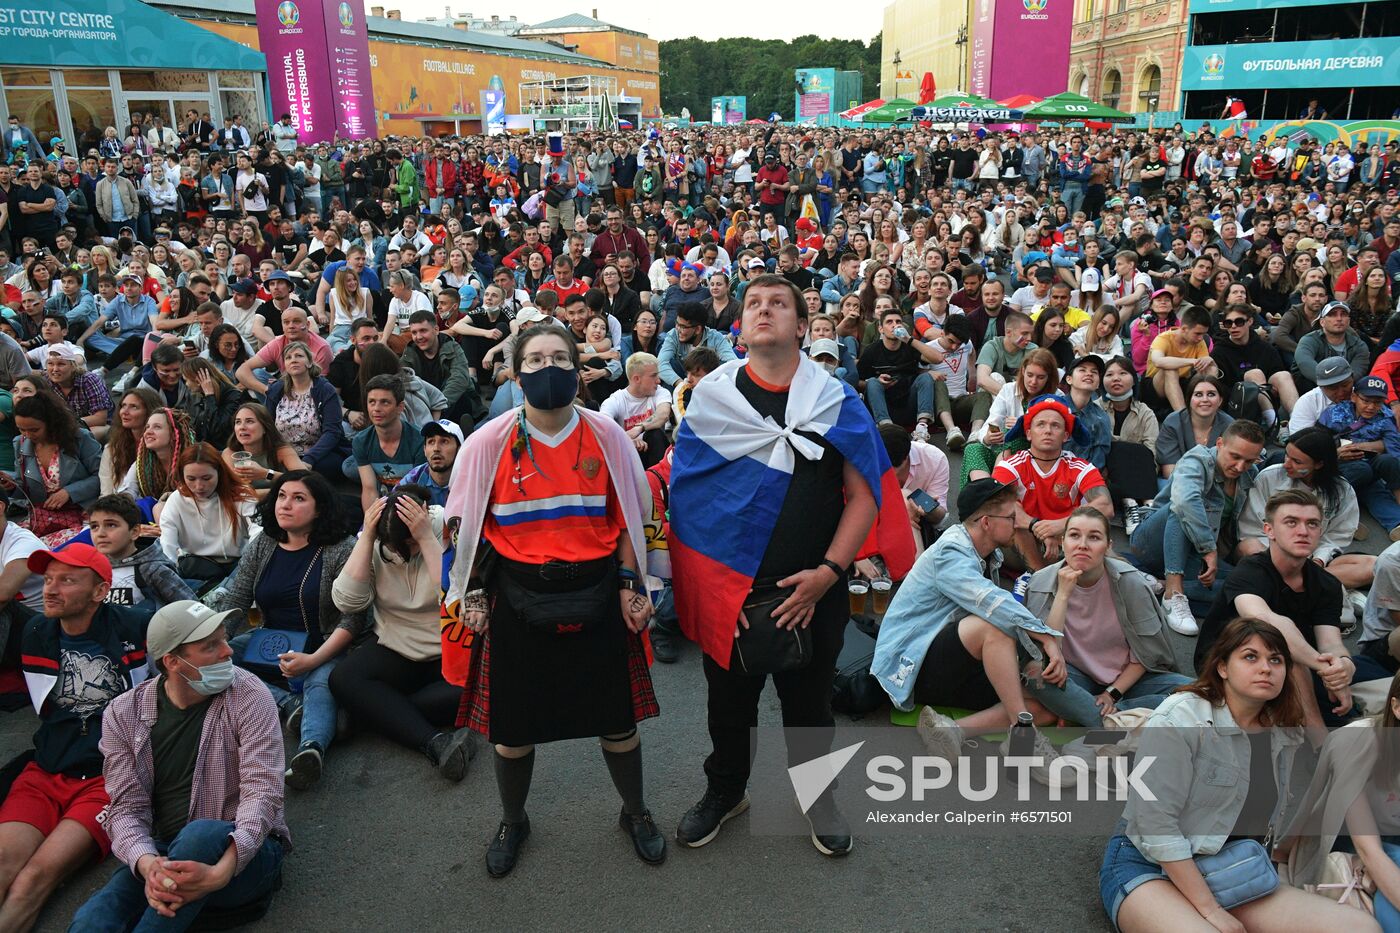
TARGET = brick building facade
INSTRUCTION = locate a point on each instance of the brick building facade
(1127, 53)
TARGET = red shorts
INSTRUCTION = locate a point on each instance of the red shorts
(42, 800)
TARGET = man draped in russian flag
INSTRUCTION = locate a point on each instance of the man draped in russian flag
(778, 476)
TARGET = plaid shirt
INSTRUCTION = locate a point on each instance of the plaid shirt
(239, 775)
(88, 396)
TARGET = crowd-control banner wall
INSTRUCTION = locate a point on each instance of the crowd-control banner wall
(318, 67)
(1020, 47)
(1350, 63)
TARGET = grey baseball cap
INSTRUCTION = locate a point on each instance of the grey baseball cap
(1332, 371)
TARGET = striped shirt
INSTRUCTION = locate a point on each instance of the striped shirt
(563, 508)
(239, 777)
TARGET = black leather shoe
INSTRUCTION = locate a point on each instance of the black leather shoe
(663, 646)
(504, 850)
(831, 834)
(646, 838)
(701, 822)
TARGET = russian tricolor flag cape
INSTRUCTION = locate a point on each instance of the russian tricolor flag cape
(729, 475)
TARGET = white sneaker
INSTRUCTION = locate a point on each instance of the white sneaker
(940, 734)
(1021, 587)
(1133, 516)
(1044, 751)
(956, 440)
(1154, 584)
(1355, 611)
(1180, 619)
(920, 432)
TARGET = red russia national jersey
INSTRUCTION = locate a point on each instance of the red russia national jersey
(1048, 494)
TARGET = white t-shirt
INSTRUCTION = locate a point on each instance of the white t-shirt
(629, 411)
(955, 367)
(240, 186)
(241, 320)
(1309, 408)
(1024, 299)
(400, 311)
(18, 543)
(125, 590)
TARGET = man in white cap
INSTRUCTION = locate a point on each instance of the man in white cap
(441, 441)
(195, 768)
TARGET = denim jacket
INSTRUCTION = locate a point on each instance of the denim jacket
(1100, 428)
(1197, 496)
(1200, 778)
(946, 584)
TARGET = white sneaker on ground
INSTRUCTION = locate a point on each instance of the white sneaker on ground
(1180, 619)
(941, 735)
(1354, 611)
(920, 433)
(1133, 516)
(955, 439)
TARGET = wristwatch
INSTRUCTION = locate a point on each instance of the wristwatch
(1115, 693)
(271, 475)
(629, 583)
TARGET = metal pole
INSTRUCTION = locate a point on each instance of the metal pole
(1264, 105)
(1351, 99)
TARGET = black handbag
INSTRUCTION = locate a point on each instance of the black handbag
(763, 647)
(561, 614)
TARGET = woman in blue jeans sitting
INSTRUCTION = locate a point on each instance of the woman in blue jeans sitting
(1353, 806)
(1221, 755)
(288, 571)
(1195, 522)
(1098, 668)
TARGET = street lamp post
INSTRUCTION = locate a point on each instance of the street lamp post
(895, 61)
(961, 43)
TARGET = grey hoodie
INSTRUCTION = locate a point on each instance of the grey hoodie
(156, 577)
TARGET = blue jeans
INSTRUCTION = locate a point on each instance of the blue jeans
(922, 389)
(1387, 915)
(1072, 196)
(318, 707)
(965, 184)
(339, 337)
(1075, 700)
(508, 396)
(1161, 547)
(121, 904)
(1374, 478)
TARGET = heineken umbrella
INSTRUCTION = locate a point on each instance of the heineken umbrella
(957, 107)
(894, 111)
(856, 112)
(1071, 108)
(607, 119)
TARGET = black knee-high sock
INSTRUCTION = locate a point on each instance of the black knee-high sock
(626, 771)
(513, 783)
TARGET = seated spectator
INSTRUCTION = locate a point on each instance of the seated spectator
(1146, 328)
(1179, 355)
(385, 450)
(269, 454)
(423, 401)
(643, 338)
(1100, 336)
(1083, 379)
(1100, 668)
(194, 766)
(823, 327)
(1050, 482)
(1284, 588)
(1038, 374)
(999, 362)
(208, 520)
(56, 464)
(1333, 336)
(932, 648)
(1051, 332)
(1202, 421)
(441, 442)
(1150, 879)
(134, 407)
(306, 410)
(120, 330)
(1194, 522)
(1244, 356)
(438, 359)
(643, 409)
(691, 331)
(142, 575)
(699, 363)
(484, 328)
(892, 375)
(1369, 449)
(954, 387)
(1310, 463)
(79, 656)
(84, 392)
(152, 477)
(1334, 384)
(920, 468)
(295, 330)
(212, 400)
(227, 351)
(162, 376)
(288, 571)
(393, 684)
(1131, 462)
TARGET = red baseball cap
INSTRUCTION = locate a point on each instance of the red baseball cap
(74, 555)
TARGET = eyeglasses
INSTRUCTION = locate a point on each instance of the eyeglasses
(1237, 322)
(534, 362)
(1011, 517)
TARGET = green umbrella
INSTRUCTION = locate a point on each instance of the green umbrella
(892, 111)
(959, 99)
(1070, 108)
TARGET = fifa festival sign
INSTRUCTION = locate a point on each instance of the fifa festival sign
(318, 66)
(1020, 47)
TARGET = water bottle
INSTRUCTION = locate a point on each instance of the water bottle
(901, 332)
(1022, 741)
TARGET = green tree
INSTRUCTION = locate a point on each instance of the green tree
(694, 70)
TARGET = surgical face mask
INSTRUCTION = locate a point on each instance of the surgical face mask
(213, 678)
(1120, 397)
(550, 387)
(829, 367)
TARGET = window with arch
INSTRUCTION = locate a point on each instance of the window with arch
(1150, 89)
(1112, 88)
(1082, 87)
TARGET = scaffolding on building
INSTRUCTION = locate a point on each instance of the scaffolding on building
(574, 103)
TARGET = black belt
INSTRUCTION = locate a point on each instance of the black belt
(559, 571)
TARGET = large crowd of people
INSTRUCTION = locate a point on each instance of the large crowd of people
(276, 414)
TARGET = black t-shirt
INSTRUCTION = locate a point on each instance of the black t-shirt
(272, 315)
(286, 250)
(174, 750)
(44, 224)
(815, 498)
(1318, 603)
(344, 375)
(1234, 361)
(964, 162)
(800, 277)
(901, 362)
(1259, 803)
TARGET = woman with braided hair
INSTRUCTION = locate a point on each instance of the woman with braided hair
(153, 477)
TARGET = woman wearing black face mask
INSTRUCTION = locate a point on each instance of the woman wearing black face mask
(557, 495)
